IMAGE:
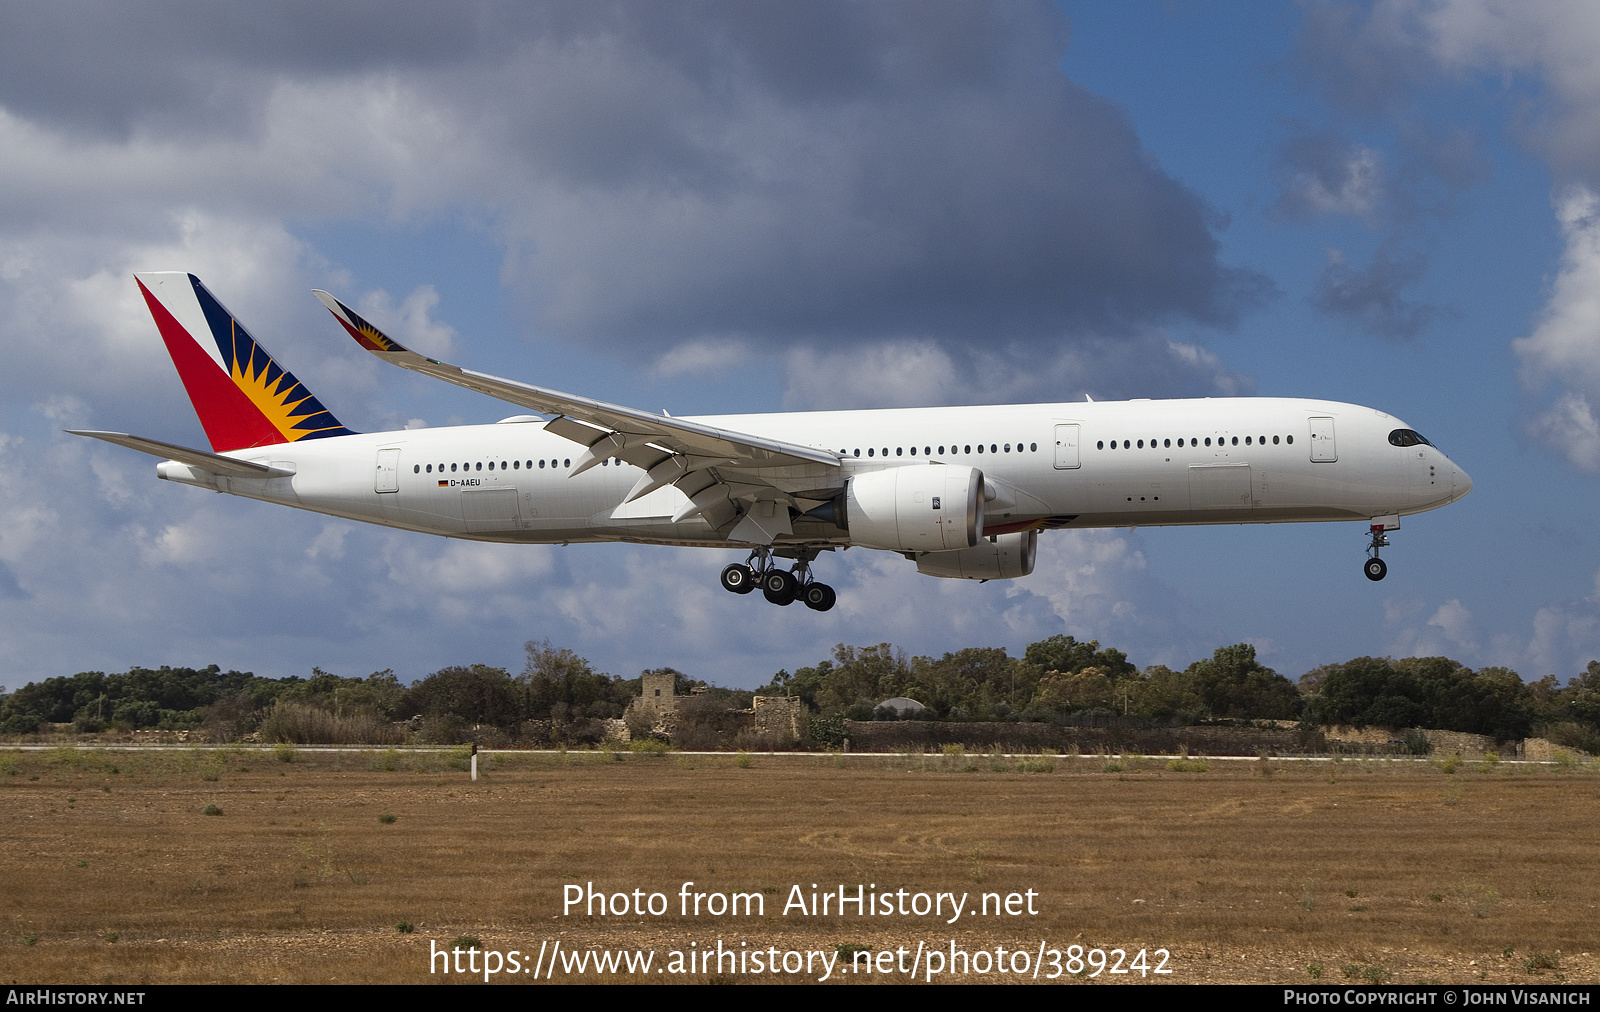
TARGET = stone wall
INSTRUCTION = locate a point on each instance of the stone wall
(921, 735)
(778, 715)
(1545, 750)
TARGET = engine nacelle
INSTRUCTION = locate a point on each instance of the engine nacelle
(1005, 558)
(916, 508)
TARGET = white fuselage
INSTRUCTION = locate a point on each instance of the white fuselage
(1225, 460)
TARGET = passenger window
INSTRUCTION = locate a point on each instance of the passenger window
(969, 448)
(1208, 440)
(1099, 444)
(541, 464)
(899, 451)
(452, 468)
(1288, 439)
(1235, 440)
(869, 451)
(416, 468)
(1247, 440)
(1033, 447)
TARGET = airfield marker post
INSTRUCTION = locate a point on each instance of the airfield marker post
(474, 761)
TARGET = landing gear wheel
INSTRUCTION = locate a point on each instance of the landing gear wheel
(738, 578)
(818, 596)
(779, 587)
(1376, 569)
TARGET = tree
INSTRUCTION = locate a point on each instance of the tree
(477, 694)
(1066, 655)
(862, 674)
(1232, 683)
(558, 679)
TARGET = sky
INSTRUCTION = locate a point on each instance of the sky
(733, 207)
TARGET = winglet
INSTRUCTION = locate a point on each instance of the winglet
(366, 335)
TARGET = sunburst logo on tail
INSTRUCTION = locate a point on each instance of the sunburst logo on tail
(283, 401)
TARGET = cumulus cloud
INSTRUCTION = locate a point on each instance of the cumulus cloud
(1445, 632)
(410, 323)
(1371, 296)
(1565, 346)
(912, 373)
(1325, 176)
(661, 176)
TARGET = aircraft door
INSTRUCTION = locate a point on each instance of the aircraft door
(1066, 446)
(388, 479)
(1322, 446)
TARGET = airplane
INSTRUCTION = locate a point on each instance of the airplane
(962, 492)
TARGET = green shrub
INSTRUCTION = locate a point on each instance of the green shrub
(283, 752)
(1541, 961)
(386, 819)
(648, 746)
(404, 927)
(211, 810)
(466, 942)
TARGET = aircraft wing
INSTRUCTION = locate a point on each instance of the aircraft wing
(715, 468)
(216, 463)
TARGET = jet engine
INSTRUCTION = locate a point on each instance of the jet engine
(1003, 558)
(915, 508)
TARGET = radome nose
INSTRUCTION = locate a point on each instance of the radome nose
(1460, 482)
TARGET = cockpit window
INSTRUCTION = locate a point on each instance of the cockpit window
(1408, 437)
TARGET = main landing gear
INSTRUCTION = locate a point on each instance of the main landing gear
(777, 586)
(1375, 568)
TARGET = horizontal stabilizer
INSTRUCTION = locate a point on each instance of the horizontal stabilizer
(216, 463)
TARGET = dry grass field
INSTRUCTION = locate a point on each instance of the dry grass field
(1252, 871)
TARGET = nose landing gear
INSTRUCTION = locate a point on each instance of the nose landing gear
(778, 586)
(1375, 568)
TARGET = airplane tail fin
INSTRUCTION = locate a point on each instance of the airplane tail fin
(242, 396)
